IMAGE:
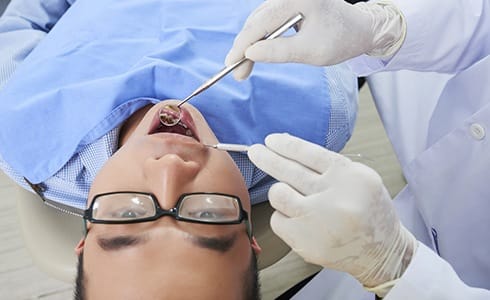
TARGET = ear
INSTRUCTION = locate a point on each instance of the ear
(255, 246)
(79, 246)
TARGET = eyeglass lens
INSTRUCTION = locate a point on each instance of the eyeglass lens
(209, 208)
(124, 206)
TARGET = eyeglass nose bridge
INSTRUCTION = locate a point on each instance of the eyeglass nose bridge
(160, 212)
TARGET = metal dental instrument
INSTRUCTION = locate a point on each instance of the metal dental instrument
(172, 115)
(290, 23)
(244, 148)
(229, 147)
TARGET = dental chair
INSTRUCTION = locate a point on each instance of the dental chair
(50, 236)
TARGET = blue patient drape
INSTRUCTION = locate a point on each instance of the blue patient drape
(105, 59)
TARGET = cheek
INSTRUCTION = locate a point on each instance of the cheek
(223, 174)
(119, 171)
(225, 177)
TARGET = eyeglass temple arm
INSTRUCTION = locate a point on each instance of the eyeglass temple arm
(38, 189)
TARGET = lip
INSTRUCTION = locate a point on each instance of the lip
(186, 122)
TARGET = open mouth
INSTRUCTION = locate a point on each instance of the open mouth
(169, 115)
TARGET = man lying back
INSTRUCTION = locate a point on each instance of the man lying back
(167, 218)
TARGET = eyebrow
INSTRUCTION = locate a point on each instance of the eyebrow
(220, 244)
(122, 241)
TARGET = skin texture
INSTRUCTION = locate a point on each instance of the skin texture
(167, 259)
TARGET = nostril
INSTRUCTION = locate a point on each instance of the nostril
(169, 173)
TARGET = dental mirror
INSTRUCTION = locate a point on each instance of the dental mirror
(170, 115)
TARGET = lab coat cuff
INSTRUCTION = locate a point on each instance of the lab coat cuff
(428, 276)
(365, 65)
(416, 34)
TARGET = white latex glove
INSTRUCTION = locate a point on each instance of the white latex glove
(334, 212)
(332, 32)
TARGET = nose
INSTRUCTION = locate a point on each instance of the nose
(169, 177)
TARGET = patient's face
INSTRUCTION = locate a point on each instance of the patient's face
(168, 259)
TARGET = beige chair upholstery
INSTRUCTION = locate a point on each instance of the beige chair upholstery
(50, 236)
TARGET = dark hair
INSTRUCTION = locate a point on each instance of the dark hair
(251, 286)
(79, 293)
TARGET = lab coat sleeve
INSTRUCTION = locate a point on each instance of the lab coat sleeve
(429, 277)
(23, 24)
(442, 36)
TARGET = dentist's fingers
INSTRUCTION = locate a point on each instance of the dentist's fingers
(310, 155)
(288, 171)
(263, 21)
(286, 200)
(287, 230)
(279, 50)
(243, 71)
(258, 25)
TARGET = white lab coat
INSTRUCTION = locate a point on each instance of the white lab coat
(439, 125)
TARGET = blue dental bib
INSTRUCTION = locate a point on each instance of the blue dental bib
(105, 59)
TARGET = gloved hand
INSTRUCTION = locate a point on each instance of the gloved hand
(334, 212)
(332, 32)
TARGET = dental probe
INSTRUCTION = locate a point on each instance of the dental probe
(229, 147)
(290, 23)
(244, 148)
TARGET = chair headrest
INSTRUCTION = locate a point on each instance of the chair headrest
(50, 236)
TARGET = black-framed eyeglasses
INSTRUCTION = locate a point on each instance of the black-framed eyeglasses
(125, 207)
